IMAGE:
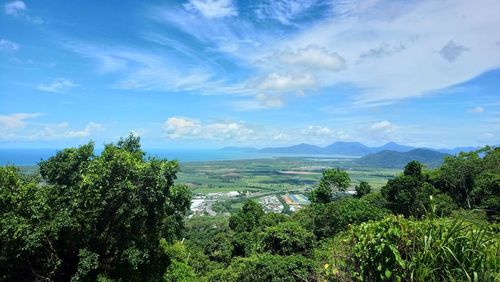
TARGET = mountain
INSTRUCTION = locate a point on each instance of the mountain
(337, 148)
(393, 159)
(238, 149)
(355, 149)
(347, 148)
(392, 146)
(295, 149)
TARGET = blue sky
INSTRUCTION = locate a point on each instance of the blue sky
(211, 73)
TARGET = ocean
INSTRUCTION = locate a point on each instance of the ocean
(28, 157)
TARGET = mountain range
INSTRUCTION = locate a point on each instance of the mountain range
(353, 149)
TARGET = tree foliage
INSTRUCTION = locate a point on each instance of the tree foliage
(332, 180)
(92, 216)
(362, 189)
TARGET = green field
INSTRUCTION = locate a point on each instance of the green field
(278, 175)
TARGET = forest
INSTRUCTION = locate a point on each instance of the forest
(120, 216)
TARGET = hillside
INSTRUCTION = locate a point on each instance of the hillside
(393, 159)
(348, 148)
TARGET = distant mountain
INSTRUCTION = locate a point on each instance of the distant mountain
(392, 146)
(347, 148)
(393, 159)
(355, 149)
(337, 148)
(295, 149)
(238, 149)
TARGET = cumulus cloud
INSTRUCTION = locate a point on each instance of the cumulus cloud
(6, 45)
(322, 134)
(383, 126)
(476, 110)
(451, 51)
(312, 57)
(59, 85)
(212, 8)
(16, 120)
(187, 128)
(19, 126)
(15, 8)
(59, 131)
(180, 127)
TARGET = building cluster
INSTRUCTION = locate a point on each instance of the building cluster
(271, 204)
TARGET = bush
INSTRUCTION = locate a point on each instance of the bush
(400, 249)
(269, 268)
(287, 238)
(326, 220)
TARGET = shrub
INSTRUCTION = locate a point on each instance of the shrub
(400, 249)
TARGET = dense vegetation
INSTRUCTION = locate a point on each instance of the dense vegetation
(118, 216)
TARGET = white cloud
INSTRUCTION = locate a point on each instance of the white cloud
(213, 8)
(312, 57)
(59, 85)
(16, 120)
(15, 8)
(59, 131)
(187, 128)
(286, 82)
(476, 110)
(19, 127)
(315, 130)
(286, 11)
(383, 126)
(7, 45)
(422, 27)
(20, 10)
(180, 127)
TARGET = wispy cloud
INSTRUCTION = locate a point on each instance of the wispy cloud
(7, 45)
(20, 9)
(15, 8)
(59, 85)
(213, 8)
(476, 110)
(16, 120)
(417, 69)
(287, 12)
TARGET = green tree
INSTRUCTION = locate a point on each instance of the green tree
(332, 180)
(409, 194)
(247, 218)
(326, 220)
(287, 238)
(219, 248)
(363, 189)
(457, 176)
(91, 216)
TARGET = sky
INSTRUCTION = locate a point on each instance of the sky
(213, 73)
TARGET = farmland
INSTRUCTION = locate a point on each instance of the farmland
(256, 178)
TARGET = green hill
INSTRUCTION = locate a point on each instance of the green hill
(393, 159)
